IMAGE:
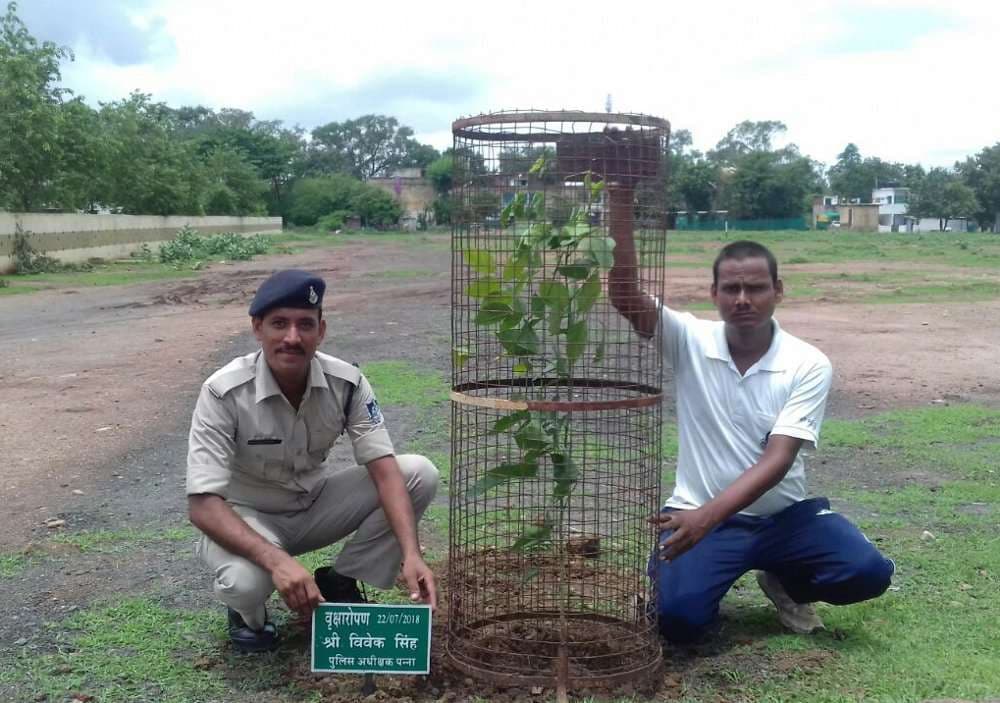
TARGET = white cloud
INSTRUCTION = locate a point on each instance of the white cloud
(820, 66)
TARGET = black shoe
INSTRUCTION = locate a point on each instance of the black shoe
(247, 640)
(337, 588)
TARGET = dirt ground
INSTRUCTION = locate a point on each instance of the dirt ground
(97, 387)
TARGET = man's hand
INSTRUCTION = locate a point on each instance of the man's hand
(689, 527)
(420, 580)
(296, 586)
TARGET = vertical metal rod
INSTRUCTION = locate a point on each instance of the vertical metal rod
(562, 674)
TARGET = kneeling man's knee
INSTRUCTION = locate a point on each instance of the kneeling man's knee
(242, 584)
(684, 620)
(869, 578)
(874, 576)
(422, 477)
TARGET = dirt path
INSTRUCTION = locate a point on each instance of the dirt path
(90, 376)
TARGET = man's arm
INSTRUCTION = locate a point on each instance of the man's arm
(623, 280)
(690, 526)
(217, 519)
(398, 508)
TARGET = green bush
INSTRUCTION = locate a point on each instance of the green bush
(376, 207)
(28, 261)
(339, 194)
(312, 198)
(333, 221)
(188, 246)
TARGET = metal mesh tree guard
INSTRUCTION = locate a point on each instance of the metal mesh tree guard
(556, 420)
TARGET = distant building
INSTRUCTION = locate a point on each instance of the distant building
(413, 191)
(893, 204)
(833, 212)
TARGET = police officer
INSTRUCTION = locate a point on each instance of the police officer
(261, 491)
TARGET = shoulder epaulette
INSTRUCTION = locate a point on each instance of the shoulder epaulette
(232, 375)
(332, 366)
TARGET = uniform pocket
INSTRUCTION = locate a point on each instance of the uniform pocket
(266, 460)
(320, 441)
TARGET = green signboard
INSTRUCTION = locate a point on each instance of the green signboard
(371, 638)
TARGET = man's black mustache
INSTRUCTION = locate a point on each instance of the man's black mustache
(291, 350)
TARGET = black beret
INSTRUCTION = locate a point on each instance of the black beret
(291, 288)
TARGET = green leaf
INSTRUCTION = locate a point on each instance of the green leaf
(508, 421)
(519, 341)
(539, 166)
(537, 306)
(511, 321)
(518, 204)
(602, 250)
(554, 293)
(576, 340)
(529, 437)
(492, 311)
(535, 233)
(533, 537)
(588, 294)
(565, 474)
(513, 270)
(595, 190)
(483, 287)
(536, 209)
(577, 271)
(522, 368)
(503, 474)
(460, 355)
(479, 260)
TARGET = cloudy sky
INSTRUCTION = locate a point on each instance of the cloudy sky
(906, 80)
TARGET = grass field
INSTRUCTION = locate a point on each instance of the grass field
(922, 482)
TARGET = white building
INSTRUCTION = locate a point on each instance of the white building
(893, 204)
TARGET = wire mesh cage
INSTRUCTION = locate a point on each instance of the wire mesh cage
(556, 420)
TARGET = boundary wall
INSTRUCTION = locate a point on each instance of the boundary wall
(73, 238)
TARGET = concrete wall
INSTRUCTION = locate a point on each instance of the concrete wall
(415, 194)
(859, 217)
(74, 238)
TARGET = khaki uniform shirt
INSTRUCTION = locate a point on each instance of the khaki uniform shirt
(251, 447)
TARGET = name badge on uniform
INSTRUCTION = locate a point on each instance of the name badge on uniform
(264, 440)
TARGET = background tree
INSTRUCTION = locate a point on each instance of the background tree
(771, 184)
(234, 186)
(944, 196)
(982, 174)
(697, 182)
(855, 178)
(746, 138)
(81, 182)
(31, 115)
(366, 147)
(150, 170)
(441, 173)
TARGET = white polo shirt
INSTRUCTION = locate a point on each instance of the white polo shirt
(725, 418)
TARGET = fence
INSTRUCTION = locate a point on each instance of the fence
(685, 223)
(73, 238)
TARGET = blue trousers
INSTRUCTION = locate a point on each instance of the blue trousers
(817, 554)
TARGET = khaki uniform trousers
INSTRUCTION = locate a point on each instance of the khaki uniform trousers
(347, 503)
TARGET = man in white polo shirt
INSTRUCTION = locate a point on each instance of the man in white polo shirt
(749, 396)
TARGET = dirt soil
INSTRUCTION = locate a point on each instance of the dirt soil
(97, 386)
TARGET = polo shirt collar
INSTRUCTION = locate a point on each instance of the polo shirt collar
(771, 361)
(266, 385)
